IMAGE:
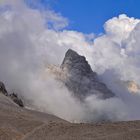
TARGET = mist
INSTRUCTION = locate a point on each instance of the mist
(28, 45)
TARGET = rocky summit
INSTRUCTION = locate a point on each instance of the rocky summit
(80, 78)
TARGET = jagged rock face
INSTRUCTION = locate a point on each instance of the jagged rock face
(13, 96)
(3, 89)
(81, 80)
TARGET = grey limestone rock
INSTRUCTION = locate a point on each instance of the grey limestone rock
(81, 80)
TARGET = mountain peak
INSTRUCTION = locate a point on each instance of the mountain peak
(71, 53)
(81, 80)
(74, 61)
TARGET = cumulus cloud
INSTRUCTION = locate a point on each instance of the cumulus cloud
(31, 39)
(120, 27)
(116, 58)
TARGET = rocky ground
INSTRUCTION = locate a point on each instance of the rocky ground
(18, 123)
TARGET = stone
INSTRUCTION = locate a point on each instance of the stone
(81, 80)
(3, 89)
(15, 98)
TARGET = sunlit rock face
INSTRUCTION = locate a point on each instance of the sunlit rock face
(57, 72)
(80, 79)
(133, 87)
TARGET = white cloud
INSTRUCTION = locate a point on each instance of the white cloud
(119, 28)
(27, 45)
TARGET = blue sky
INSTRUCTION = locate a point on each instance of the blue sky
(89, 16)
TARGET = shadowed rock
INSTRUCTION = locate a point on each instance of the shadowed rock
(15, 98)
(3, 89)
(81, 80)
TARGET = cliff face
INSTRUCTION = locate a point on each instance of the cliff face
(80, 79)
